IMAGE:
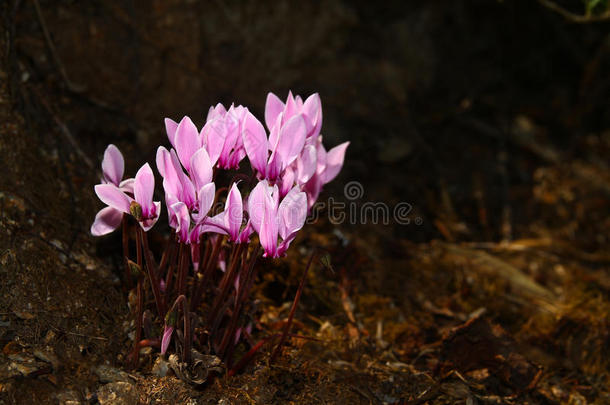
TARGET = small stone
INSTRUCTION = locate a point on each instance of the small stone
(110, 374)
(117, 393)
(68, 397)
(48, 356)
(161, 367)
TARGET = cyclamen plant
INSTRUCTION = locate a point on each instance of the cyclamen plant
(206, 272)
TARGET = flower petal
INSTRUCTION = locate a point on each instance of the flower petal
(312, 109)
(153, 217)
(107, 220)
(291, 107)
(234, 212)
(213, 134)
(255, 142)
(187, 141)
(256, 204)
(182, 220)
(167, 337)
(201, 168)
(206, 196)
(306, 164)
(291, 140)
(213, 224)
(273, 107)
(126, 185)
(268, 230)
(144, 188)
(334, 162)
(292, 212)
(170, 129)
(113, 165)
(113, 197)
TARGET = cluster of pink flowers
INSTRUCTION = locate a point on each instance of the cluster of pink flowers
(290, 166)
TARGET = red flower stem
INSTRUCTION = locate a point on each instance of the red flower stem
(166, 258)
(181, 300)
(125, 237)
(139, 310)
(251, 353)
(228, 341)
(182, 268)
(210, 266)
(250, 274)
(152, 274)
(297, 297)
(169, 279)
(225, 285)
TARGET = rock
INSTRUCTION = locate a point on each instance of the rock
(48, 356)
(117, 393)
(68, 397)
(161, 367)
(108, 374)
(198, 371)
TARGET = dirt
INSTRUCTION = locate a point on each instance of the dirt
(490, 119)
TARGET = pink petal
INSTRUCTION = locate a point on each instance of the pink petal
(153, 217)
(312, 108)
(320, 156)
(218, 111)
(126, 186)
(107, 220)
(292, 212)
(287, 181)
(170, 129)
(113, 197)
(234, 212)
(255, 142)
(187, 189)
(113, 165)
(291, 107)
(232, 127)
(144, 188)
(214, 134)
(214, 224)
(334, 162)
(256, 203)
(182, 220)
(187, 141)
(291, 140)
(206, 199)
(306, 164)
(201, 168)
(268, 230)
(167, 337)
(273, 107)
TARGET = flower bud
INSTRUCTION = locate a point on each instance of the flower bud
(134, 269)
(171, 318)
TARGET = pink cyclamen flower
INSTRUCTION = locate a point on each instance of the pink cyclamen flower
(229, 222)
(113, 165)
(270, 157)
(141, 206)
(278, 112)
(222, 136)
(273, 219)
